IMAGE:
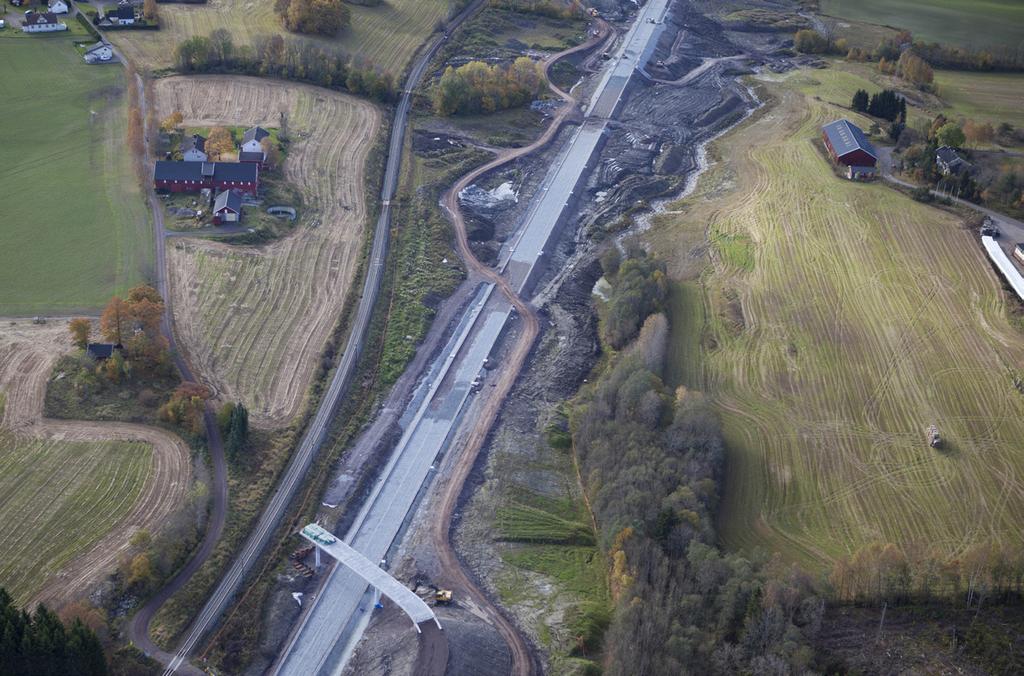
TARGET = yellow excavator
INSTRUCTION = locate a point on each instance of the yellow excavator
(442, 597)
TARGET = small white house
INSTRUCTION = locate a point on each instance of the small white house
(45, 22)
(124, 15)
(58, 7)
(193, 149)
(251, 139)
(100, 52)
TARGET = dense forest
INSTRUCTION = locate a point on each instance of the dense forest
(651, 461)
(41, 644)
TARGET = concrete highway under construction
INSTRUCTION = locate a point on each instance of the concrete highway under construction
(336, 617)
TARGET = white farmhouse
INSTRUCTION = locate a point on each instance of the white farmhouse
(193, 149)
(45, 22)
(251, 139)
(100, 52)
(58, 7)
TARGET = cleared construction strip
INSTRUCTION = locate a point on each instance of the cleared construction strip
(1005, 266)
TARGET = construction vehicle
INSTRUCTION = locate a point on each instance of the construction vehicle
(934, 439)
(443, 597)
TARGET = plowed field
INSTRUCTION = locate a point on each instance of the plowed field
(73, 492)
(255, 320)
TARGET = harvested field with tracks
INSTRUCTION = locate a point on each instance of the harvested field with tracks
(255, 320)
(74, 491)
(386, 35)
(861, 318)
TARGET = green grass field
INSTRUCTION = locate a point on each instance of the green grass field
(59, 498)
(386, 35)
(75, 228)
(975, 24)
(984, 97)
(862, 318)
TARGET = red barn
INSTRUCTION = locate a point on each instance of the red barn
(848, 145)
(194, 176)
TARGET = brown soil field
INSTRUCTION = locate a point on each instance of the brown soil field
(254, 320)
(27, 355)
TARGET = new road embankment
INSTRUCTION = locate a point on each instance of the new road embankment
(337, 616)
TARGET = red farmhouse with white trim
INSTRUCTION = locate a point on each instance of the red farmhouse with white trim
(194, 176)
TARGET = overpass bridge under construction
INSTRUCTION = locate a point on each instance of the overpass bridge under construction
(336, 618)
(413, 606)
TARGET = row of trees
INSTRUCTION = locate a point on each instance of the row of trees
(558, 9)
(41, 644)
(880, 572)
(313, 17)
(289, 59)
(652, 461)
(893, 48)
(639, 288)
(477, 87)
(233, 421)
(886, 104)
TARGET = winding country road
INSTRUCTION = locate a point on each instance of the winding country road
(316, 432)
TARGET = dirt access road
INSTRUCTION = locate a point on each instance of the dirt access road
(27, 355)
(524, 661)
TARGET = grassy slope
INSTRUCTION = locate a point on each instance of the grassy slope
(985, 97)
(386, 35)
(58, 499)
(75, 229)
(864, 318)
(967, 23)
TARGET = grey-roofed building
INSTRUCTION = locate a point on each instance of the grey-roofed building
(848, 145)
(251, 139)
(227, 208)
(949, 161)
(193, 149)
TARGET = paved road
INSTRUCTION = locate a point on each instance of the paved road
(317, 430)
(337, 615)
(1012, 229)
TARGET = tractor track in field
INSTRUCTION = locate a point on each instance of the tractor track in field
(27, 357)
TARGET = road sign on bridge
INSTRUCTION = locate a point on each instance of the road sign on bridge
(415, 607)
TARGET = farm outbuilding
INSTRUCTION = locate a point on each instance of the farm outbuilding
(101, 351)
(100, 52)
(849, 146)
(227, 208)
(259, 157)
(194, 176)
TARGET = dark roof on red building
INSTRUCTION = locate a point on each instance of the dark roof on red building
(166, 170)
(250, 156)
(846, 137)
